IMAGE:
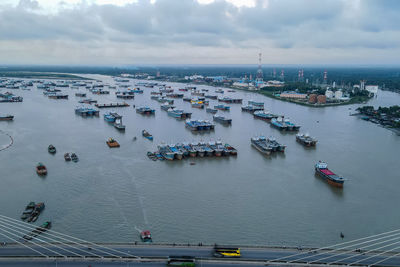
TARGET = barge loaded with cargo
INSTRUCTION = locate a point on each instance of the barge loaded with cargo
(321, 168)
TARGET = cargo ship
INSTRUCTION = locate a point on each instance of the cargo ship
(211, 110)
(197, 104)
(145, 111)
(290, 126)
(255, 103)
(264, 115)
(167, 106)
(179, 114)
(321, 168)
(199, 125)
(230, 100)
(306, 139)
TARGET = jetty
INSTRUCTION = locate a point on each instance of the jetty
(112, 105)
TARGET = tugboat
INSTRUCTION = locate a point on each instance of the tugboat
(41, 169)
(306, 139)
(111, 142)
(321, 168)
(145, 236)
(147, 135)
(74, 157)
(67, 157)
(6, 118)
(51, 149)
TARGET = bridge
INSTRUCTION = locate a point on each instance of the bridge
(53, 248)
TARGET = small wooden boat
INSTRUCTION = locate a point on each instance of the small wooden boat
(111, 142)
(41, 169)
(52, 149)
(145, 236)
(147, 135)
(6, 118)
(152, 156)
(74, 157)
(67, 157)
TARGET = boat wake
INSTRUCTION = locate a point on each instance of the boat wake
(9, 144)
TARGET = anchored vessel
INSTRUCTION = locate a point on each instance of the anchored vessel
(52, 149)
(145, 111)
(211, 110)
(230, 100)
(6, 117)
(147, 135)
(251, 108)
(284, 124)
(179, 114)
(306, 139)
(264, 115)
(41, 169)
(321, 168)
(222, 119)
(199, 125)
(111, 142)
(85, 112)
(112, 105)
(222, 107)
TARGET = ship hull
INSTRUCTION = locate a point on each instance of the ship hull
(329, 179)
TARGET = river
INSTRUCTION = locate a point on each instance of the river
(112, 194)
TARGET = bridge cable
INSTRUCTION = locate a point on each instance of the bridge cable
(16, 241)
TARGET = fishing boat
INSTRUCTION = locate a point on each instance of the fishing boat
(111, 142)
(167, 106)
(290, 126)
(179, 114)
(41, 169)
(147, 135)
(177, 153)
(52, 149)
(207, 149)
(230, 149)
(222, 119)
(118, 124)
(321, 168)
(217, 150)
(109, 117)
(230, 100)
(145, 236)
(276, 147)
(211, 110)
(6, 117)
(306, 139)
(200, 149)
(256, 103)
(251, 108)
(74, 157)
(67, 157)
(279, 124)
(197, 104)
(219, 91)
(152, 156)
(145, 111)
(264, 115)
(260, 143)
(166, 152)
(199, 125)
(222, 107)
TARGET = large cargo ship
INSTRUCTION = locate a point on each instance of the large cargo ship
(321, 168)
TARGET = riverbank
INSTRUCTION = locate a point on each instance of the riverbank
(41, 75)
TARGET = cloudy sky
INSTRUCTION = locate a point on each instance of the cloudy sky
(118, 32)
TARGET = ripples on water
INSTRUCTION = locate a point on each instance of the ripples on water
(111, 194)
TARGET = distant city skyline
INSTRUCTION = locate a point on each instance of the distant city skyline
(129, 32)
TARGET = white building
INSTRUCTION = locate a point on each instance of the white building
(338, 94)
(372, 88)
(328, 93)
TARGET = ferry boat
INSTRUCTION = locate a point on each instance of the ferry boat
(264, 115)
(145, 236)
(306, 139)
(147, 135)
(321, 168)
(222, 107)
(222, 119)
(41, 169)
(6, 117)
(261, 144)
